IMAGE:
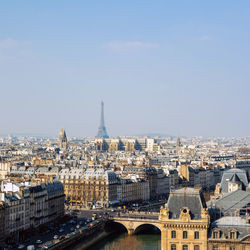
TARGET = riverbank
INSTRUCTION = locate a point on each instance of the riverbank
(86, 245)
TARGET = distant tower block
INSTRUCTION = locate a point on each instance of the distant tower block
(102, 132)
(63, 139)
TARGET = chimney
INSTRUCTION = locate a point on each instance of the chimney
(247, 218)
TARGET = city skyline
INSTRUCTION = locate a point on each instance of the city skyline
(167, 68)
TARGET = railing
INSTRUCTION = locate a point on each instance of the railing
(136, 218)
(136, 215)
(143, 213)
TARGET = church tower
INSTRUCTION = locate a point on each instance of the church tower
(63, 139)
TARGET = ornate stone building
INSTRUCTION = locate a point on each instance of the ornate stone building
(92, 188)
(230, 233)
(185, 221)
(185, 224)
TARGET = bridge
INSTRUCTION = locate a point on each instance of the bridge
(133, 220)
(172, 229)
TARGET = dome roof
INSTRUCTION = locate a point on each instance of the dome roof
(62, 133)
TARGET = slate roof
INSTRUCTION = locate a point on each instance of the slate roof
(186, 197)
(227, 175)
(234, 200)
(36, 189)
(235, 179)
(14, 197)
(228, 223)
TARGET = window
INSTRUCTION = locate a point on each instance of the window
(232, 248)
(185, 235)
(232, 235)
(173, 234)
(173, 247)
(215, 247)
(196, 235)
(215, 235)
(196, 247)
(185, 247)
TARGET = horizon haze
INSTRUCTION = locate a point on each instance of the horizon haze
(164, 67)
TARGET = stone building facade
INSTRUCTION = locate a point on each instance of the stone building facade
(230, 233)
(133, 190)
(185, 221)
(92, 188)
(27, 205)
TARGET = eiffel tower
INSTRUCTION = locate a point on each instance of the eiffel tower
(102, 132)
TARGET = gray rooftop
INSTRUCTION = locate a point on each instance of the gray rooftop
(227, 175)
(228, 223)
(186, 197)
(233, 201)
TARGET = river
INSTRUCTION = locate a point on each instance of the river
(125, 242)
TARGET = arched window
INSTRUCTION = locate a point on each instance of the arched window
(173, 234)
(215, 247)
(185, 247)
(185, 234)
(232, 248)
(196, 247)
(173, 247)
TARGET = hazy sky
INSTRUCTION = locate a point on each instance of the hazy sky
(174, 67)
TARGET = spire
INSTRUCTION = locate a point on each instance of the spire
(102, 132)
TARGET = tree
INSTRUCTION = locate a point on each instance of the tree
(129, 242)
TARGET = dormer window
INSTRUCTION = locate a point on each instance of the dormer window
(233, 234)
(216, 234)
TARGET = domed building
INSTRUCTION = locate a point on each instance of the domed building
(63, 142)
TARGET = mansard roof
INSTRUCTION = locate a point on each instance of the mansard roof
(186, 197)
(233, 201)
(231, 223)
(227, 175)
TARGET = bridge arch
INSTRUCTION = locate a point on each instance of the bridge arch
(115, 226)
(134, 224)
(147, 227)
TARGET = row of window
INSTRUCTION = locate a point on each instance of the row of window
(232, 235)
(230, 248)
(185, 235)
(184, 247)
(196, 247)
